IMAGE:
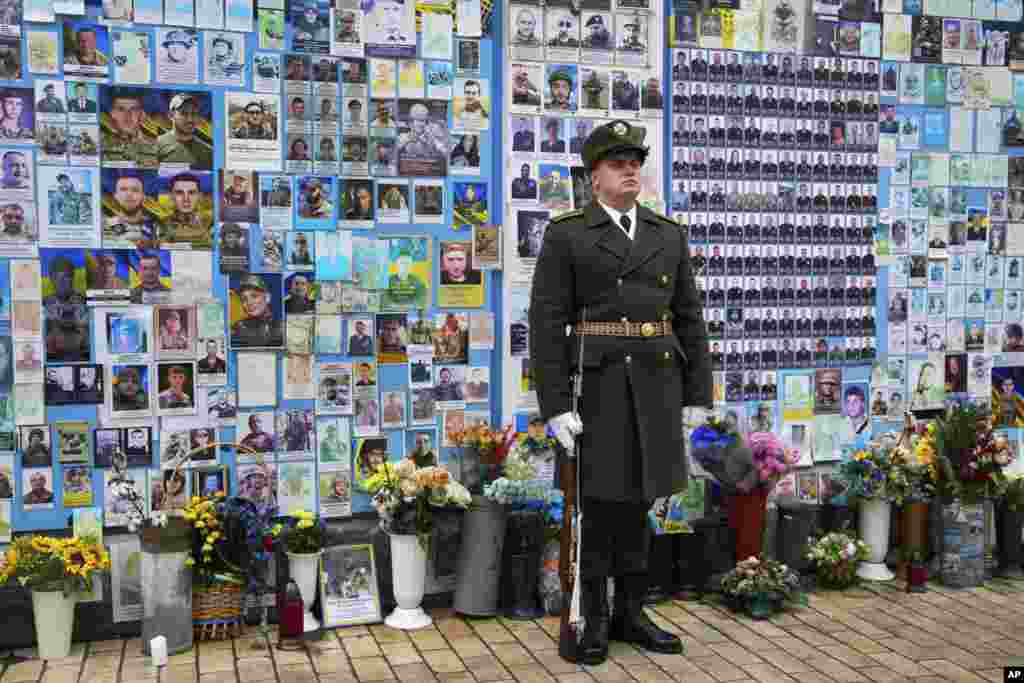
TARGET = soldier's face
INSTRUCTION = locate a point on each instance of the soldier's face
(149, 271)
(127, 115)
(106, 267)
(177, 380)
(127, 386)
(176, 52)
(472, 93)
(15, 167)
(300, 287)
(560, 91)
(525, 23)
(254, 303)
(455, 264)
(390, 16)
(185, 195)
(86, 43)
(13, 217)
(129, 194)
(184, 119)
(254, 117)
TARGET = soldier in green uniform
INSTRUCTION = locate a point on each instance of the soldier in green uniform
(122, 136)
(186, 222)
(179, 144)
(258, 328)
(331, 448)
(621, 275)
(421, 332)
(254, 126)
(405, 290)
(561, 88)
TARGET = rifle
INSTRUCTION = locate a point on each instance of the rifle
(571, 624)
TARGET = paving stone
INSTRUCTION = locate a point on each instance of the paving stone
(22, 672)
(414, 673)
(61, 674)
(372, 669)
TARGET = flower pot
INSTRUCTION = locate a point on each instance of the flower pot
(1008, 542)
(478, 567)
(913, 534)
(520, 566)
(917, 578)
(746, 519)
(409, 577)
(963, 545)
(54, 615)
(874, 522)
(304, 569)
(166, 586)
(762, 606)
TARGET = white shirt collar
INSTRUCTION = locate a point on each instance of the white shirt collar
(617, 215)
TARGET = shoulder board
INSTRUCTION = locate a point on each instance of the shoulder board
(567, 215)
(666, 219)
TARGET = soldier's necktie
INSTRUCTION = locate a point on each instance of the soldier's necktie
(626, 225)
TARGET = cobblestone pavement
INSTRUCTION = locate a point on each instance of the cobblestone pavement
(876, 633)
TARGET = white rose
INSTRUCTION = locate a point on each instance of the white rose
(405, 468)
(408, 488)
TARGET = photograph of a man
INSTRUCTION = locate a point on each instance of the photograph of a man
(80, 102)
(122, 136)
(130, 388)
(128, 219)
(49, 103)
(180, 145)
(213, 363)
(17, 171)
(299, 299)
(360, 343)
(258, 326)
(191, 218)
(176, 386)
(35, 448)
(456, 265)
(149, 271)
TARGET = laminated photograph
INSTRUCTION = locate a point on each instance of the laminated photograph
(297, 485)
(266, 68)
(275, 201)
(526, 31)
(37, 487)
(428, 195)
(253, 131)
(347, 29)
(436, 31)
(335, 493)
(222, 406)
(390, 29)
(334, 388)
(177, 55)
(298, 377)
(42, 52)
(296, 434)
(333, 444)
(211, 368)
(348, 574)
(126, 570)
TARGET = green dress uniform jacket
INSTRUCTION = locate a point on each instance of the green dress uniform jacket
(634, 388)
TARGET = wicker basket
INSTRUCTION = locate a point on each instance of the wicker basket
(217, 609)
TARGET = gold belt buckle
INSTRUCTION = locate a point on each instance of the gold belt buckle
(647, 329)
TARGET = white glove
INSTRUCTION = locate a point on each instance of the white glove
(695, 416)
(566, 427)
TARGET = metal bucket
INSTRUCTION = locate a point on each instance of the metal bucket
(478, 568)
(963, 545)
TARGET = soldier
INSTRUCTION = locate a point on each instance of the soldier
(315, 202)
(624, 94)
(563, 37)
(598, 37)
(175, 395)
(577, 141)
(254, 126)
(186, 223)
(561, 86)
(523, 139)
(149, 278)
(177, 46)
(389, 25)
(648, 361)
(129, 393)
(172, 336)
(51, 104)
(179, 144)
(631, 39)
(84, 52)
(420, 142)
(105, 274)
(405, 288)
(456, 268)
(472, 103)
(524, 92)
(257, 439)
(526, 28)
(236, 194)
(298, 299)
(347, 32)
(211, 363)
(81, 104)
(311, 26)
(652, 98)
(553, 145)
(524, 187)
(258, 328)
(123, 139)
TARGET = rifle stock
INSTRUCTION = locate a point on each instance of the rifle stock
(567, 555)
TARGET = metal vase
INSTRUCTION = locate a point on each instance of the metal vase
(524, 541)
(478, 567)
(913, 535)
(167, 586)
(963, 545)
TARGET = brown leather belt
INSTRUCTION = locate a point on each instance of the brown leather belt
(624, 329)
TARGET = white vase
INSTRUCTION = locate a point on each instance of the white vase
(875, 517)
(304, 569)
(408, 577)
(54, 615)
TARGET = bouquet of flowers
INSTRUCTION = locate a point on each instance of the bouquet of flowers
(762, 579)
(483, 449)
(866, 470)
(971, 456)
(914, 471)
(720, 450)
(405, 496)
(772, 460)
(49, 564)
(230, 537)
(835, 556)
(305, 533)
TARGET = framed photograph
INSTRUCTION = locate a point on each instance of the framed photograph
(209, 480)
(126, 578)
(348, 584)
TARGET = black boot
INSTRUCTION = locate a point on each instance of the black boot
(593, 648)
(631, 625)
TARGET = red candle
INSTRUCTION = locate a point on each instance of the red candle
(292, 611)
